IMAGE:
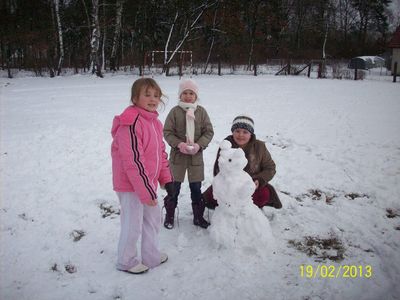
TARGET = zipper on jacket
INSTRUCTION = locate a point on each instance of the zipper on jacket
(158, 155)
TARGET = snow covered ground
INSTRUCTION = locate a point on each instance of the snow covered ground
(337, 149)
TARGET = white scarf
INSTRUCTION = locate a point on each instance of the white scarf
(190, 109)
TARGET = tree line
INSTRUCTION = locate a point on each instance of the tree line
(103, 35)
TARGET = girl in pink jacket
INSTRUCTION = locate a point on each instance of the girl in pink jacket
(139, 164)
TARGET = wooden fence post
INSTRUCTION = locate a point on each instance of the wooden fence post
(355, 73)
(309, 70)
(395, 72)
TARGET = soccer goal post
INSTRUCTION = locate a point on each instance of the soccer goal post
(182, 62)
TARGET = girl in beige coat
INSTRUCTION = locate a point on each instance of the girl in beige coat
(188, 130)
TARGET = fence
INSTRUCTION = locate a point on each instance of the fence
(330, 68)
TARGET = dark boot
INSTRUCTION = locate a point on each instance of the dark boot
(275, 201)
(170, 206)
(197, 204)
(198, 211)
(170, 203)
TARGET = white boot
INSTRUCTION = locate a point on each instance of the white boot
(164, 257)
(138, 269)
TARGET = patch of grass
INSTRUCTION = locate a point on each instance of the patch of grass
(70, 268)
(77, 235)
(328, 197)
(353, 196)
(392, 213)
(316, 194)
(108, 210)
(54, 268)
(331, 248)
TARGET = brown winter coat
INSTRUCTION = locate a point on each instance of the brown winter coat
(260, 165)
(175, 133)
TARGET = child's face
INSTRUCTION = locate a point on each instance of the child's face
(241, 136)
(149, 99)
(188, 96)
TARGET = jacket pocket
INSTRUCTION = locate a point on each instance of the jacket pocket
(197, 159)
(177, 158)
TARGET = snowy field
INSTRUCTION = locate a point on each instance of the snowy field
(337, 149)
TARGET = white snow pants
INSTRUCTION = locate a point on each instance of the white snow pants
(137, 220)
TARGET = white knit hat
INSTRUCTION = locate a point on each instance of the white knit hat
(188, 84)
(243, 122)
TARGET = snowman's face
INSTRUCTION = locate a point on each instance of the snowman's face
(231, 160)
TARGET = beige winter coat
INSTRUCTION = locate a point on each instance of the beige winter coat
(175, 132)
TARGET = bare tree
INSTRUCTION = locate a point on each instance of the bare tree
(95, 64)
(252, 25)
(346, 18)
(371, 18)
(89, 31)
(104, 39)
(214, 30)
(168, 41)
(189, 26)
(298, 19)
(117, 33)
(60, 37)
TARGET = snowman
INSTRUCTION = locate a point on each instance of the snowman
(237, 223)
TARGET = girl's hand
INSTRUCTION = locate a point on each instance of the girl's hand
(194, 149)
(183, 148)
(152, 202)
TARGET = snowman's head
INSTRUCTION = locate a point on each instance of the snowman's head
(231, 160)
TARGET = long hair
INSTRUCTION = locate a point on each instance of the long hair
(145, 83)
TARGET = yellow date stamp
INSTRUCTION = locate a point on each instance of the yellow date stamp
(332, 271)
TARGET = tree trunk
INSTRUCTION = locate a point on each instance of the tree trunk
(171, 30)
(8, 60)
(60, 37)
(323, 51)
(253, 28)
(95, 41)
(213, 37)
(88, 55)
(117, 32)
(103, 44)
(188, 30)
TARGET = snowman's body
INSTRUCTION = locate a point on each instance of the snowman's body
(237, 222)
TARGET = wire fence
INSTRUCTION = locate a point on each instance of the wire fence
(331, 69)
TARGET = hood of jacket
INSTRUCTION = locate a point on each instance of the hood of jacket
(128, 116)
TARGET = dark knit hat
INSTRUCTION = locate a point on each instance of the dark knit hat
(243, 122)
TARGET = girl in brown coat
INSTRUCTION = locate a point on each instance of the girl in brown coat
(188, 130)
(260, 165)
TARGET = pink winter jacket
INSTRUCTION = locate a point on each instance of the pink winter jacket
(139, 160)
